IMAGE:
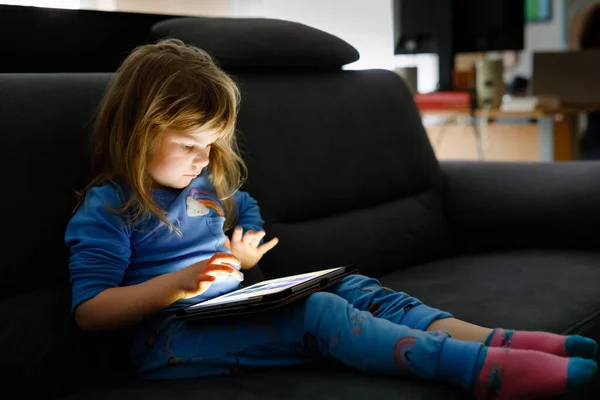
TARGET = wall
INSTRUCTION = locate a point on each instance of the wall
(366, 25)
(542, 36)
(216, 8)
(70, 4)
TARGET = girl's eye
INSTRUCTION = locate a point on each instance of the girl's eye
(186, 147)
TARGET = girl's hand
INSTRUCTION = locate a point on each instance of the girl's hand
(246, 248)
(197, 278)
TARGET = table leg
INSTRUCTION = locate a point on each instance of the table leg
(546, 138)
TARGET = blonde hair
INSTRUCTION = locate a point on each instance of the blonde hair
(166, 85)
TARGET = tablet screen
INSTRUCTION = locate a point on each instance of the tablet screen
(263, 288)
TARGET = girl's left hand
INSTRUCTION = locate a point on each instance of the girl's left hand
(246, 247)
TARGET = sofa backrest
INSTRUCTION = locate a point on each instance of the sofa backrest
(339, 163)
(45, 125)
(46, 121)
(342, 169)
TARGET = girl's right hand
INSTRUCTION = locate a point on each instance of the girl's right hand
(197, 278)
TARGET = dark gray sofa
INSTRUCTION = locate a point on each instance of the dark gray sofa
(344, 173)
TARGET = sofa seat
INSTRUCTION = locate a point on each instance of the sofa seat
(326, 381)
(555, 291)
(531, 290)
(549, 290)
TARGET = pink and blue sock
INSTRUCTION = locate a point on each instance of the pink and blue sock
(560, 345)
(502, 373)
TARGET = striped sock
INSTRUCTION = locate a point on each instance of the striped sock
(560, 345)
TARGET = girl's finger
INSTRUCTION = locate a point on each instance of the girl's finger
(204, 283)
(268, 246)
(224, 258)
(248, 237)
(237, 234)
(257, 238)
(223, 271)
(206, 278)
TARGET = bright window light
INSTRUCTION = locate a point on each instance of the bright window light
(72, 4)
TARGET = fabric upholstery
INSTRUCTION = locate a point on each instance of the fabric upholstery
(338, 160)
(496, 205)
(46, 120)
(520, 289)
(259, 43)
(308, 382)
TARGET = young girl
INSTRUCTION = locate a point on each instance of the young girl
(148, 238)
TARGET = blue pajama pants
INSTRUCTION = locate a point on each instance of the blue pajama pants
(358, 322)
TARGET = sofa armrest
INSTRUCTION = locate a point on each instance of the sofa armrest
(499, 206)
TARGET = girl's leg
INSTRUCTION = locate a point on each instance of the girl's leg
(327, 325)
(221, 346)
(368, 294)
(376, 345)
(461, 330)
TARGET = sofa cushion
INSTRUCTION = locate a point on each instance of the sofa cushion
(554, 205)
(316, 381)
(46, 120)
(37, 342)
(249, 43)
(48, 117)
(554, 291)
(377, 240)
(42, 345)
(337, 160)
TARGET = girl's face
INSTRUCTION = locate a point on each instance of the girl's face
(180, 157)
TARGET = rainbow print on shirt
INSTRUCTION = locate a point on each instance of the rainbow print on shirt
(199, 203)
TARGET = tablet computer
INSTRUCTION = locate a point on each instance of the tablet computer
(265, 295)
